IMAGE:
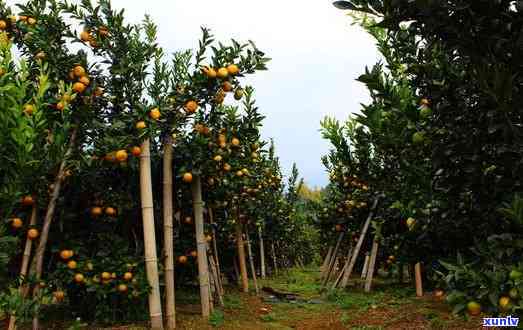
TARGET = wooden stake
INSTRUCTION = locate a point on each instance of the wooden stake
(359, 244)
(241, 255)
(214, 271)
(417, 276)
(333, 259)
(262, 252)
(168, 235)
(215, 250)
(236, 270)
(203, 269)
(38, 260)
(371, 266)
(365, 266)
(326, 262)
(251, 261)
(344, 270)
(25, 264)
(149, 237)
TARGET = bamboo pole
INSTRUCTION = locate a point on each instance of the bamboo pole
(214, 271)
(344, 269)
(371, 266)
(149, 237)
(203, 269)
(215, 250)
(274, 258)
(170, 305)
(38, 261)
(262, 253)
(241, 256)
(25, 264)
(251, 261)
(417, 276)
(326, 262)
(333, 259)
(365, 266)
(359, 244)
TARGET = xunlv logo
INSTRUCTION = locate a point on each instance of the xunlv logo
(507, 321)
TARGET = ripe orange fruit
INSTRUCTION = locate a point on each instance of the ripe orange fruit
(222, 73)
(233, 69)
(40, 55)
(191, 106)
(339, 227)
(122, 288)
(217, 158)
(121, 155)
(31, 21)
(3, 24)
(424, 101)
(439, 294)
(239, 173)
(193, 254)
(85, 80)
(187, 177)
(32, 233)
(79, 278)
(110, 211)
(85, 36)
(504, 303)
(60, 106)
(226, 167)
(72, 264)
(59, 295)
(209, 72)
(27, 200)
(66, 254)
(208, 238)
(227, 86)
(106, 276)
(16, 223)
(78, 87)
(96, 211)
(136, 151)
(79, 71)
(235, 142)
(155, 114)
(128, 276)
(29, 109)
(141, 125)
(182, 259)
(188, 220)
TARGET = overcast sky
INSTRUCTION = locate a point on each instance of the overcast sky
(316, 55)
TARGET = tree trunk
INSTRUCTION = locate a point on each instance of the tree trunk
(38, 261)
(25, 264)
(359, 244)
(274, 258)
(203, 268)
(417, 277)
(241, 256)
(215, 250)
(371, 266)
(149, 237)
(251, 261)
(170, 311)
(262, 253)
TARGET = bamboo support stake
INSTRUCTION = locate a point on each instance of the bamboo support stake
(251, 262)
(359, 244)
(38, 260)
(344, 269)
(203, 269)
(371, 266)
(417, 276)
(214, 271)
(333, 259)
(365, 266)
(151, 261)
(326, 262)
(170, 311)
(262, 253)
(215, 250)
(274, 258)
(241, 256)
(25, 264)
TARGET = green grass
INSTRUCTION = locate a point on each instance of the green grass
(216, 318)
(232, 301)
